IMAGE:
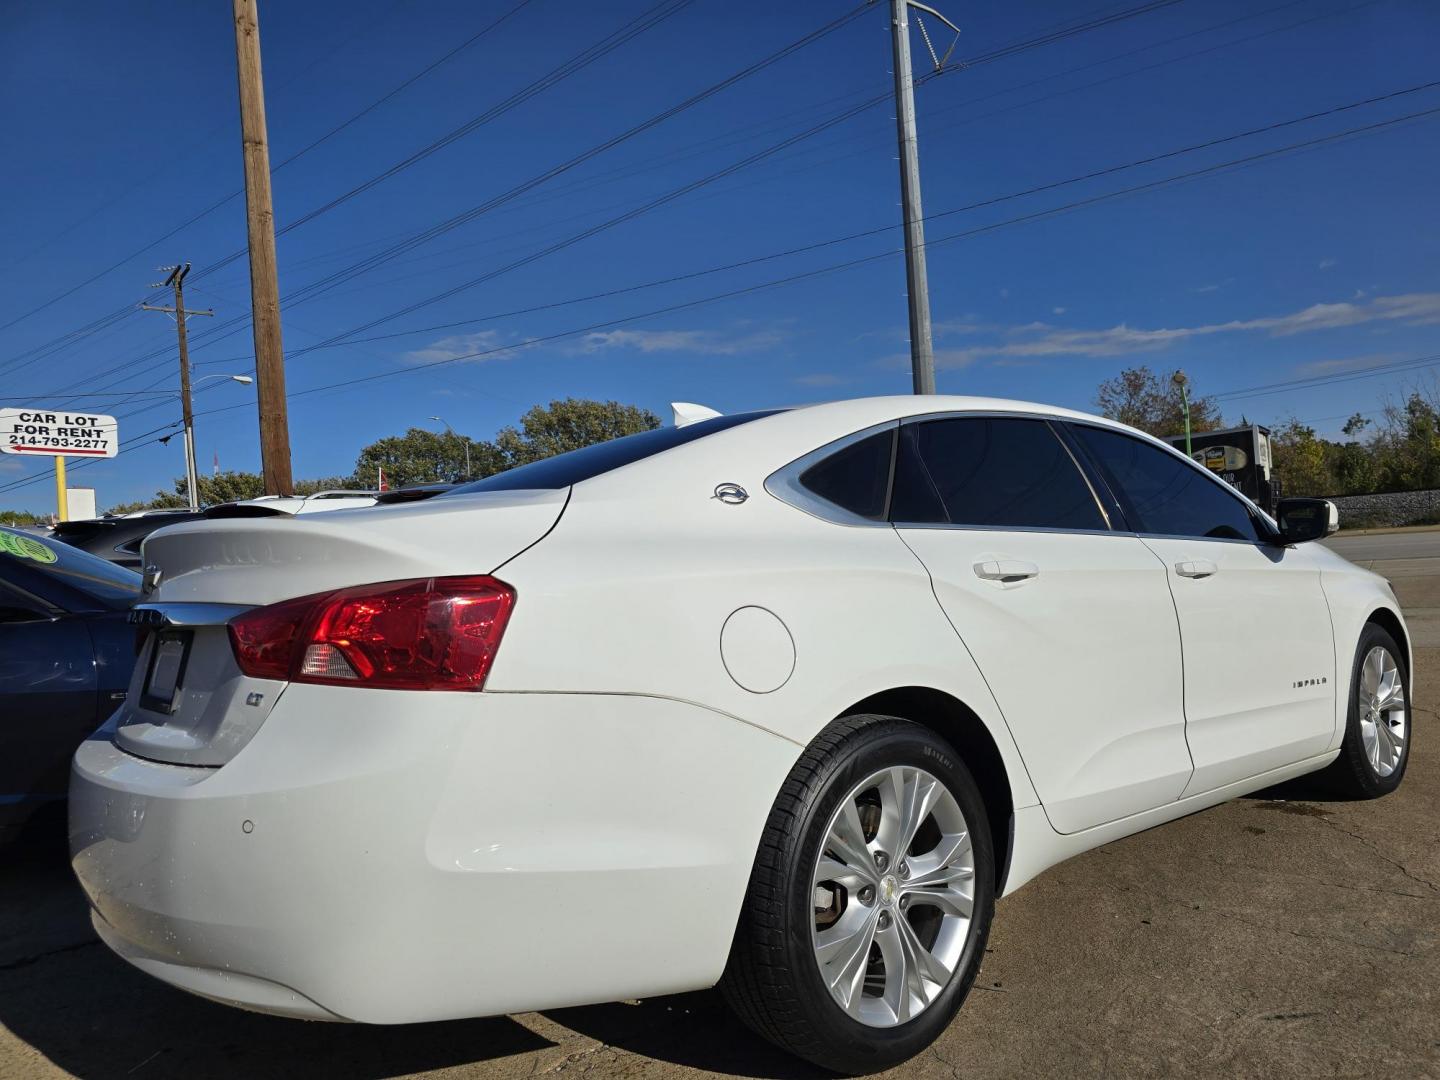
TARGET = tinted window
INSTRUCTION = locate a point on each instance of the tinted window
(108, 584)
(856, 478)
(562, 470)
(990, 471)
(1163, 493)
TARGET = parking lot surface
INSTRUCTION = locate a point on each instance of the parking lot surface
(1281, 935)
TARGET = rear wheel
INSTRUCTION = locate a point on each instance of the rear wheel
(1376, 747)
(870, 901)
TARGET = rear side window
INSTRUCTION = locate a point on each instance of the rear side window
(1162, 492)
(562, 470)
(855, 478)
(995, 472)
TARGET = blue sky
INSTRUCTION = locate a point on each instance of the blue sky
(122, 124)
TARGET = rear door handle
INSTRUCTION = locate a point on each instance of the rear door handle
(1006, 570)
(1196, 568)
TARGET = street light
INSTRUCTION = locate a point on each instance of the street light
(451, 430)
(192, 478)
(1181, 381)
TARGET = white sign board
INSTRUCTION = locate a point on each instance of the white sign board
(58, 432)
(80, 503)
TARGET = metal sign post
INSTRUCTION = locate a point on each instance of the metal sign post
(62, 499)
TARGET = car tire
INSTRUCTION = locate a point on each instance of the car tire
(774, 978)
(1376, 747)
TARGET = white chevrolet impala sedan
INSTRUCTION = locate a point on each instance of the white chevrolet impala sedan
(780, 701)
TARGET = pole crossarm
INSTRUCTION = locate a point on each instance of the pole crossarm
(171, 310)
(938, 61)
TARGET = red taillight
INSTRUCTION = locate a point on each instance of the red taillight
(428, 634)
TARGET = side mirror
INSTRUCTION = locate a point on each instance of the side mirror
(1306, 519)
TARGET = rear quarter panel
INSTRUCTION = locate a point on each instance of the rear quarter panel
(630, 591)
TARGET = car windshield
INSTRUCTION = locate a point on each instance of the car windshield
(109, 585)
(562, 470)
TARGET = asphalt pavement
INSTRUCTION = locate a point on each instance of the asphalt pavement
(1287, 934)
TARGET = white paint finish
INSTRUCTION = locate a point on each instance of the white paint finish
(757, 650)
(452, 858)
(423, 856)
(1083, 656)
(1253, 628)
(1039, 847)
(857, 603)
(263, 560)
(1354, 596)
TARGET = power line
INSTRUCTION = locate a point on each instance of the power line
(289, 160)
(305, 292)
(1209, 170)
(1308, 382)
(760, 155)
(880, 230)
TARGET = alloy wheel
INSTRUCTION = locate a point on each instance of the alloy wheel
(1383, 716)
(893, 893)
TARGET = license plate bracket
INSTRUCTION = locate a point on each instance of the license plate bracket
(166, 673)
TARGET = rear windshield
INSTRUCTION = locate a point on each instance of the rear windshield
(110, 585)
(562, 470)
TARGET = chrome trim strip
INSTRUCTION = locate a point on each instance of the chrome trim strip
(784, 483)
(177, 614)
(1009, 528)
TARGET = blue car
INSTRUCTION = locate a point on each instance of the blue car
(66, 653)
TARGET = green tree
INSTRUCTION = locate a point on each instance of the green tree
(421, 456)
(547, 430)
(1407, 448)
(1301, 460)
(23, 517)
(1152, 403)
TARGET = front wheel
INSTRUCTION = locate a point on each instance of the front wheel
(870, 901)
(1376, 747)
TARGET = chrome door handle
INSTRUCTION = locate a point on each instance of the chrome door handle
(1006, 570)
(1196, 568)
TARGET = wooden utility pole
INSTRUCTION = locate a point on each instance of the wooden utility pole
(264, 286)
(176, 281)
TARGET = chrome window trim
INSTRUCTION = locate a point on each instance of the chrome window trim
(784, 482)
(1008, 528)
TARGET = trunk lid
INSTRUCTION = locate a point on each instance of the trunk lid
(188, 702)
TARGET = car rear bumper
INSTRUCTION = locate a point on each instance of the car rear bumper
(388, 858)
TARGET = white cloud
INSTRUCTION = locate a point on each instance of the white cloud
(1057, 311)
(1326, 264)
(1345, 363)
(461, 346)
(1215, 286)
(1039, 339)
(704, 342)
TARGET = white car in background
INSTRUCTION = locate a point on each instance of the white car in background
(780, 701)
(320, 501)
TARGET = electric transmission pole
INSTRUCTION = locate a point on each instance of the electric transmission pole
(922, 350)
(264, 287)
(176, 281)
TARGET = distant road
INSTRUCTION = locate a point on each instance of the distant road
(1397, 545)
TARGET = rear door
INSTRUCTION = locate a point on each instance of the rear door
(1069, 619)
(1258, 643)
